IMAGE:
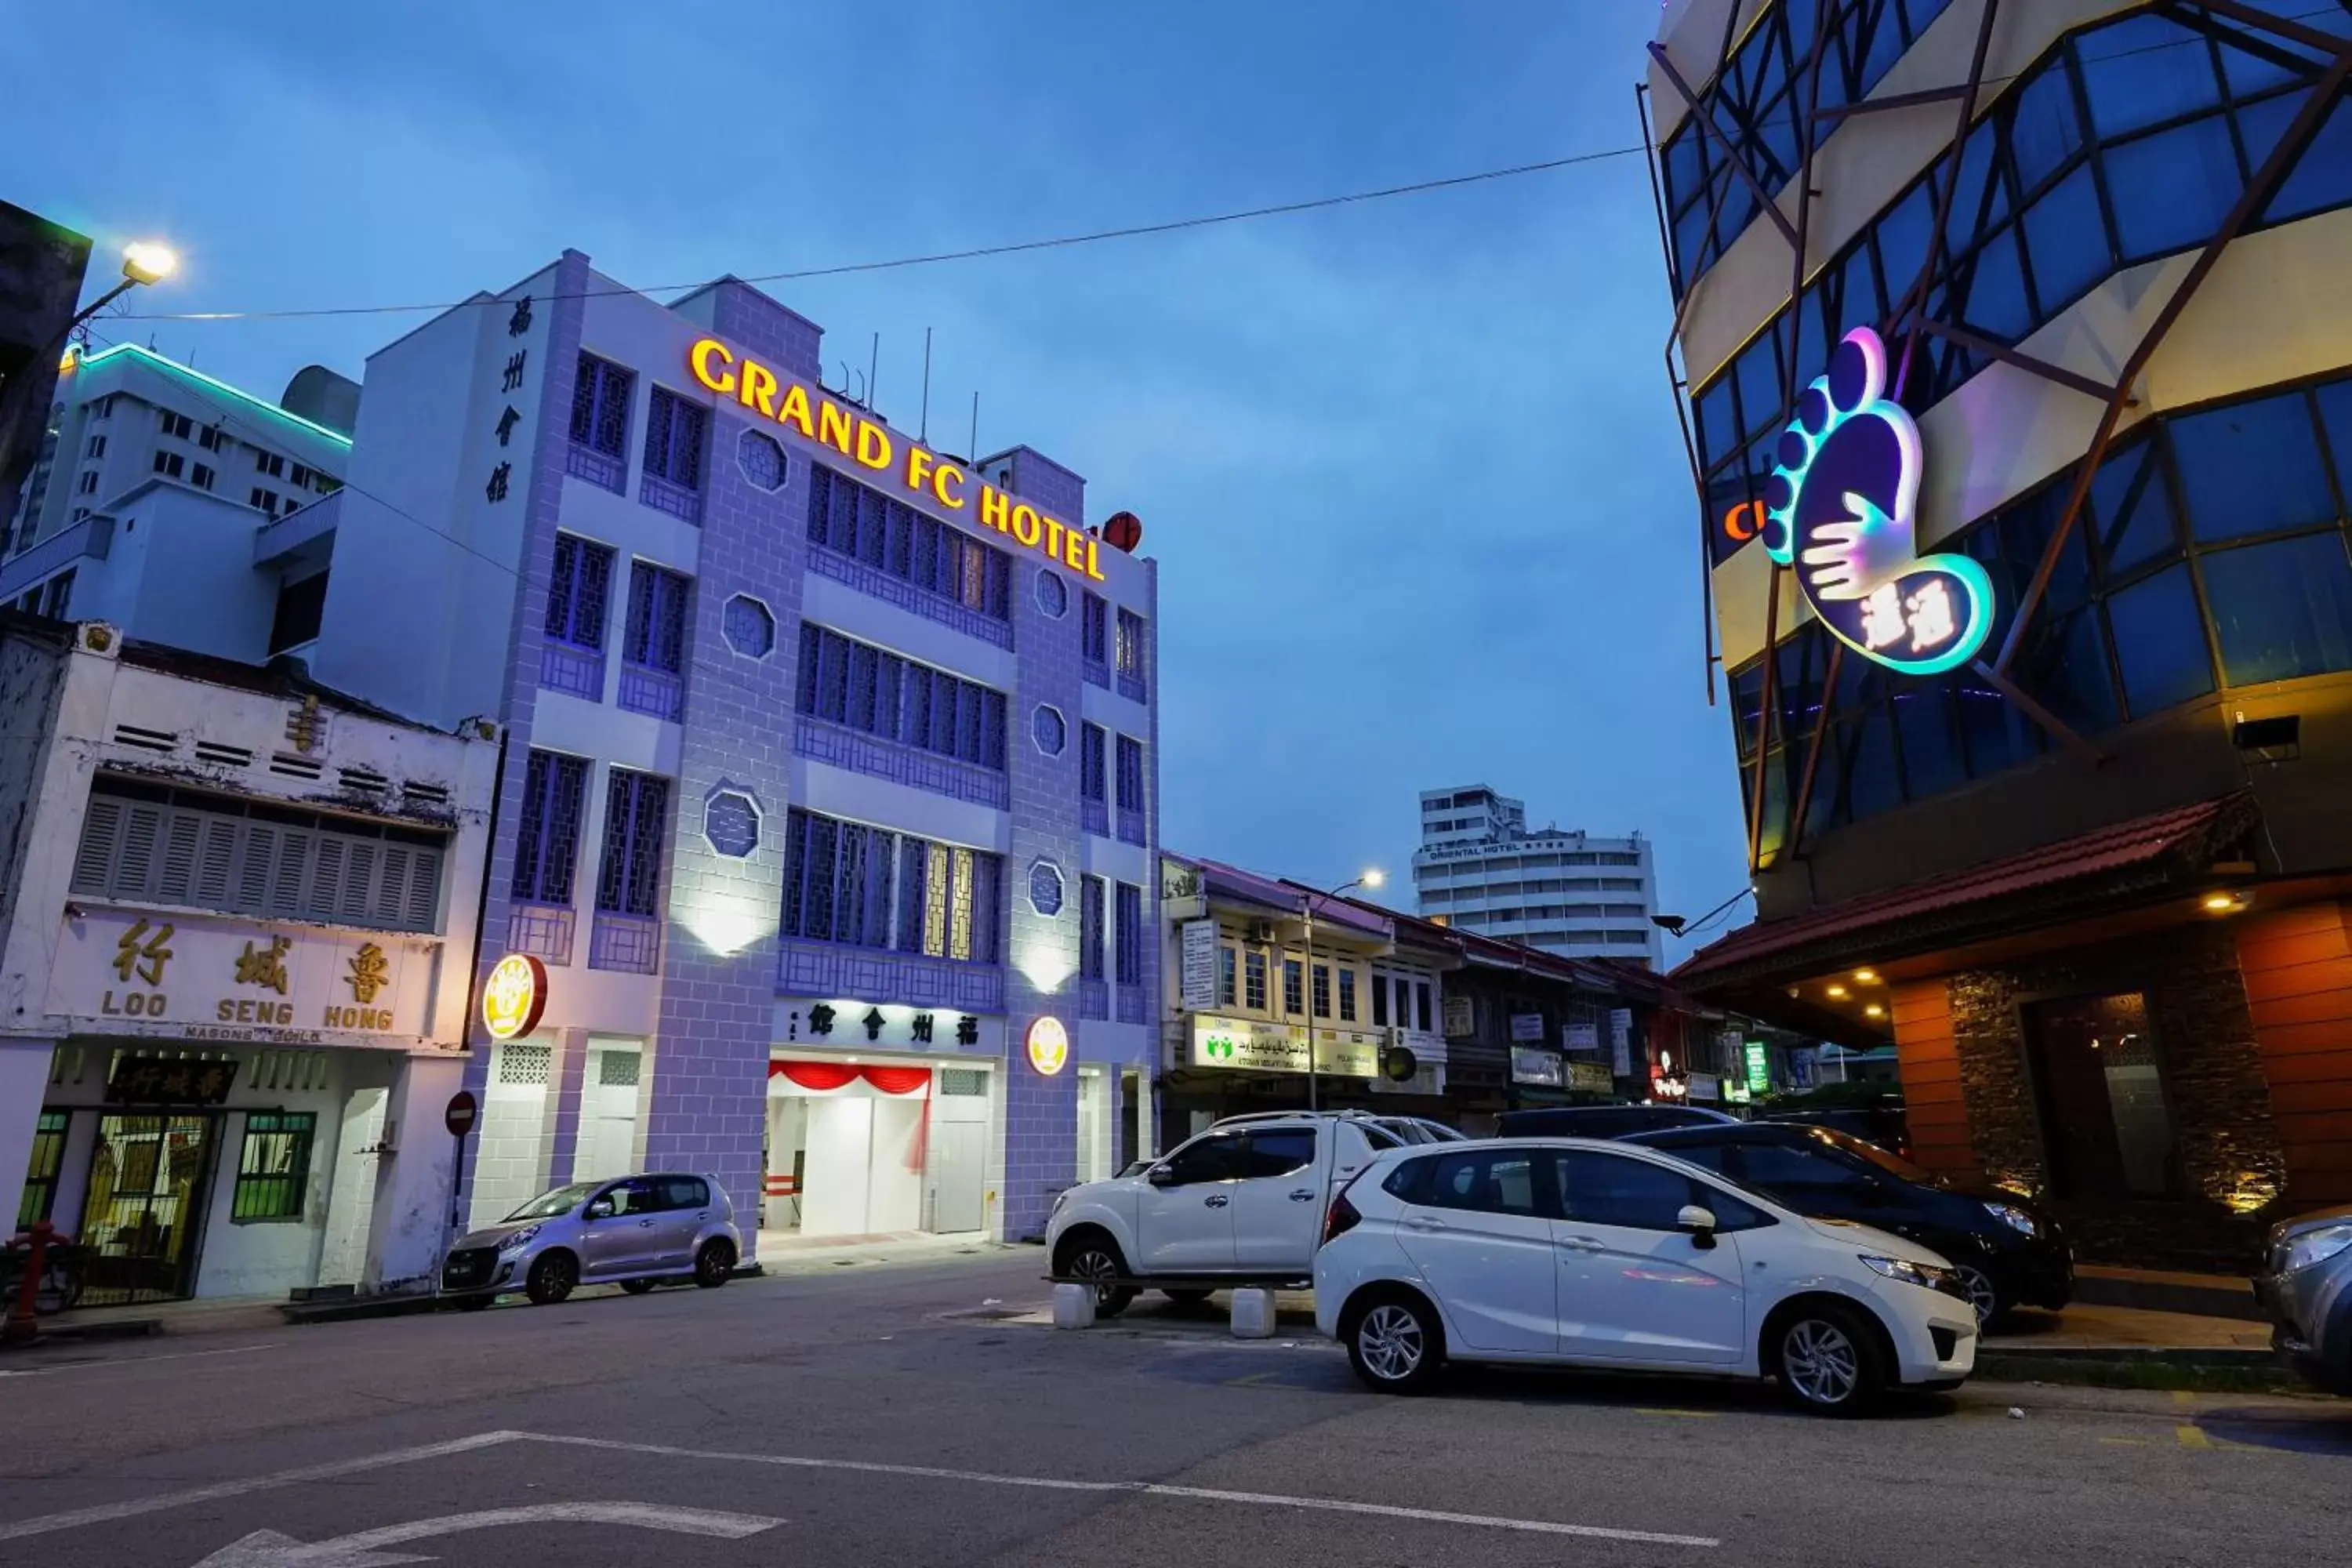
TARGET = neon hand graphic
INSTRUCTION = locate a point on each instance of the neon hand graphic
(1842, 507)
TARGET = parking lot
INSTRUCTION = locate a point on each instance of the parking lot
(925, 1414)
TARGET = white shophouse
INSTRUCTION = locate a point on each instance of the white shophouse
(238, 918)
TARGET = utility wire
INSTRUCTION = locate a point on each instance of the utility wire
(1135, 231)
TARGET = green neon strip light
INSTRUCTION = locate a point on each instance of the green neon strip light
(176, 368)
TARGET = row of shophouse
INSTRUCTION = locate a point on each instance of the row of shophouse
(806, 774)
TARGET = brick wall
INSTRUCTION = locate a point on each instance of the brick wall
(2298, 978)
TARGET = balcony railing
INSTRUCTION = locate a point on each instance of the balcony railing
(629, 944)
(906, 596)
(543, 931)
(606, 473)
(1094, 999)
(1094, 815)
(1096, 672)
(1130, 1006)
(871, 975)
(1131, 687)
(1130, 825)
(647, 690)
(578, 671)
(822, 741)
(662, 495)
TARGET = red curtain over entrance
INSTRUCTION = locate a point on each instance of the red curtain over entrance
(827, 1077)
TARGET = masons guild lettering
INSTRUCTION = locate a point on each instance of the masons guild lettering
(818, 418)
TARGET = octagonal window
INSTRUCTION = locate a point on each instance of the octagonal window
(1045, 887)
(732, 823)
(1051, 729)
(748, 627)
(761, 458)
(1053, 593)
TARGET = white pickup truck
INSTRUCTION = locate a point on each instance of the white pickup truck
(1241, 1204)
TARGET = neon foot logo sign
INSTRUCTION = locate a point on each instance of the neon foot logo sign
(1842, 508)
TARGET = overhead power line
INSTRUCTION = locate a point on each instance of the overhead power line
(975, 253)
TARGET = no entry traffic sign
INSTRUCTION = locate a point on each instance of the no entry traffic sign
(463, 1109)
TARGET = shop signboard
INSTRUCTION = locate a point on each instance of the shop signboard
(1621, 1041)
(1580, 1036)
(1460, 1019)
(123, 972)
(842, 1024)
(1254, 1045)
(1526, 1028)
(1589, 1078)
(1199, 965)
(1706, 1086)
(1759, 1067)
(1533, 1064)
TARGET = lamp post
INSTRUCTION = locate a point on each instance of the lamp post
(1372, 877)
(143, 261)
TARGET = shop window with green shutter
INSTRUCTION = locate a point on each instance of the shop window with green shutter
(41, 1171)
(275, 1165)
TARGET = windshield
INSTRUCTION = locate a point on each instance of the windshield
(1892, 1165)
(563, 1200)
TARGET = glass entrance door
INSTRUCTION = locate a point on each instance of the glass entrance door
(148, 1178)
(2107, 1130)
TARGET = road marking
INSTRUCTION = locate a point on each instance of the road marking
(2126, 1442)
(2191, 1437)
(1143, 1489)
(1252, 1380)
(1661, 1410)
(132, 1507)
(136, 1360)
(269, 1549)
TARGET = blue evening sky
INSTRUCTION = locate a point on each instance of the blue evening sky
(1411, 468)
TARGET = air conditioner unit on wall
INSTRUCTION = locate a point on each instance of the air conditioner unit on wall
(1261, 930)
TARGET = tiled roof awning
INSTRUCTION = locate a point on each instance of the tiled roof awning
(2110, 867)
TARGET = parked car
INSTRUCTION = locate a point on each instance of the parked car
(633, 1232)
(1883, 1125)
(2305, 1285)
(2006, 1250)
(1609, 1255)
(1605, 1121)
(1241, 1203)
(1421, 1129)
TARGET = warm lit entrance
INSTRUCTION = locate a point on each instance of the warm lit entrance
(143, 1205)
(874, 1149)
(2104, 1123)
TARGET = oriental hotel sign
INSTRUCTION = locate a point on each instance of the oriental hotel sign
(782, 400)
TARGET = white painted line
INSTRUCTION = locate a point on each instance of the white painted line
(272, 1549)
(136, 1361)
(131, 1508)
(1143, 1489)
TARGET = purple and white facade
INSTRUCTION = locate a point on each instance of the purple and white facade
(810, 825)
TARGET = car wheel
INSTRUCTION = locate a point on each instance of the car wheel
(1190, 1296)
(637, 1287)
(1829, 1360)
(472, 1303)
(1095, 1259)
(552, 1279)
(714, 1265)
(1982, 1295)
(1396, 1345)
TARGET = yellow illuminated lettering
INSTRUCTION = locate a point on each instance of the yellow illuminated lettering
(759, 387)
(1054, 539)
(1092, 571)
(796, 411)
(873, 445)
(951, 496)
(1072, 551)
(995, 510)
(700, 356)
(917, 461)
(1026, 528)
(227, 1013)
(832, 427)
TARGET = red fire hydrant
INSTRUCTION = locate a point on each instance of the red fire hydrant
(22, 1325)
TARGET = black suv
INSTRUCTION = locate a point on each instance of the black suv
(2006, 1251)
(1604, 1120)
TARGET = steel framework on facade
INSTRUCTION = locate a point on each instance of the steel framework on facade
(1909, 318)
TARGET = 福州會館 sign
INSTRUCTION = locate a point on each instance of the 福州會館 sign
(124, 971)
(1252, 1045)
(1841, 507)
(784, 400)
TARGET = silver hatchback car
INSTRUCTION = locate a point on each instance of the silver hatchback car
(632, 1231)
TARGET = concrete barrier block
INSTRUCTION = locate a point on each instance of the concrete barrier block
(1074, 1306)
(1253, 1313)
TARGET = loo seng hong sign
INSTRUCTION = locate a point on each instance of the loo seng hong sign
(127, 972)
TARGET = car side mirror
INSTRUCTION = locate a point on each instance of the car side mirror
(601, 1209)
(1698, 1223)
(1160, 1176)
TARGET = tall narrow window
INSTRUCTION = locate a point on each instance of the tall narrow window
(636, 822)
(1347, 996)
(674, 430)
(1091, 927)
(576, 594)
(273, 1168)
(1254, 981)
(1294, 988)
(1129, 655)
(599, 405)
(547, 829)
(1094, 631)
(1130, 934)
(1225, 976)
(1379, 989)
(1093, 740)
(655, 638)
(1322, 989)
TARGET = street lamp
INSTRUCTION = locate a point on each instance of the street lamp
(143, 261)
(1372, 877)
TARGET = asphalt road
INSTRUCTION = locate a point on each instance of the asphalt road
(889, 1414)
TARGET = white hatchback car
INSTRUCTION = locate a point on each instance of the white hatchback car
(1575, 1252)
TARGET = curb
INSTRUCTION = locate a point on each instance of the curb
(304, 1313)
(124, 1329)
(2221, 1371)
(2234, 1301)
